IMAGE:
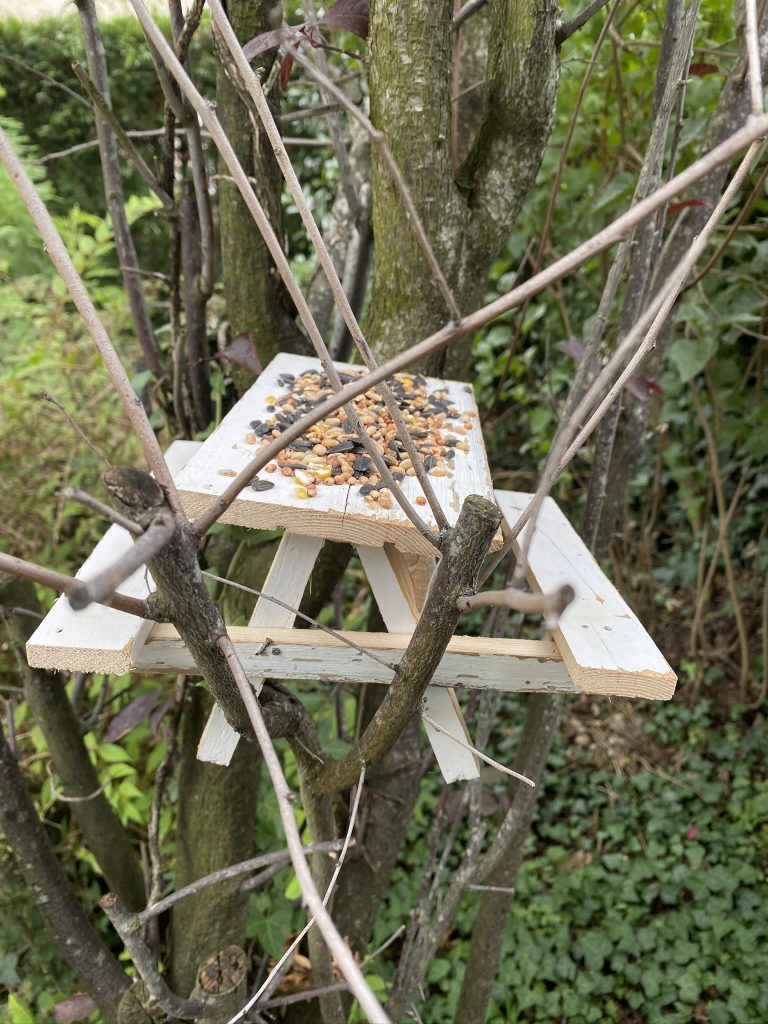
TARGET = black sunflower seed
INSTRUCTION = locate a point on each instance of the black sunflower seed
(429, 462)
(362, 466)
(366, 489)
(344, 446)
(261, 485)
(450, 453)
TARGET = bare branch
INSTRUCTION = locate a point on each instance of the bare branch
(395, 173)
(75, 494)
(752, 46)
(277, 969)
(551, 606)
(339, 949)
(244, 867)
(565, 446)
(101, 587)
(568, 28)
(470, 8)
(59, 582)
(123, 139)
(478, 753)
(129, 929)
(82, 300)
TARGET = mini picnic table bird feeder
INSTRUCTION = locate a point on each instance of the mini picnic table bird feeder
(599, 646)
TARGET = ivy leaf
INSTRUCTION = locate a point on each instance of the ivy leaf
(690, 357)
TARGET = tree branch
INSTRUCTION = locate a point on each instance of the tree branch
(567, 29)
(100, 588)
(463, 553)
(81, 945)
(75, 494)
(122, 136)
(551, 606)
(59, 582)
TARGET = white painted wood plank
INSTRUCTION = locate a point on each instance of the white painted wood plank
(96, 639)
(389, 582)
(605, 646)
(336, 513)
(476, 663)
(287, 579)
(100, 639)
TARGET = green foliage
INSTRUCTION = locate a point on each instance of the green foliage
(54, 120)
(643, 896)
(46, 351)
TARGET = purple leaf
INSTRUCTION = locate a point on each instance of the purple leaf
(640, 387)
(76, 1007)
(351, 15)
(268, 40)
(132, 714)
(242, 352)
(157, 715)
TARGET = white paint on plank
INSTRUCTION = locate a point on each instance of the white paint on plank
(287, 580)
(337, 512)
(476, 663)
(602, 641)
(100, 639)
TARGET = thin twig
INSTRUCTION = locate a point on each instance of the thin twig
(307, 618)
(470, 8)
(106, 511)
(451, 333)
(163, 773)
(478, 753)
(59, 582)
(232, 871)
(255, 91)
(70, 799)
(285, 798)
(101, 587)
(285, 958)
(752, 45)
(78, 292)
(121, 135)
(45, 78)
(47, 397)
(568, 28)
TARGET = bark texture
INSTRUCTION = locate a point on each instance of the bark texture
(466, 219)
(215, 827)
(101, 829)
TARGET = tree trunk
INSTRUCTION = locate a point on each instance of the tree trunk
(102, 831)
(214, 828)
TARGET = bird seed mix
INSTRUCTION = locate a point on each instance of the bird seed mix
(329, 453)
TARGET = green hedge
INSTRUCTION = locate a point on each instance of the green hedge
(54, 119)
